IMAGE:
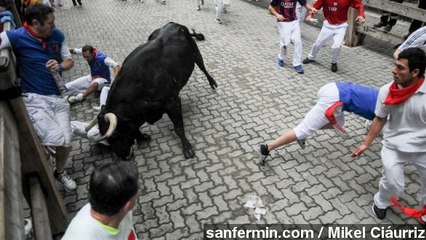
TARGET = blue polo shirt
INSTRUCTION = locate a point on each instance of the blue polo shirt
(358, 99)
(32, 56)
(98, 68)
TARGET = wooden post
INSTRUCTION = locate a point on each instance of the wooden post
(11, 204)
(350, 37)
(39, 210)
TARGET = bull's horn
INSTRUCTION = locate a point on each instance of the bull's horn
(112, 120)
(91, 124)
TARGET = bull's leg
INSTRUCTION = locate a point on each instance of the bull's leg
(174, 111)
(200, 63)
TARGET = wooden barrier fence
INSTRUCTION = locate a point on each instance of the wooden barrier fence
(356, 32)
(25, 171)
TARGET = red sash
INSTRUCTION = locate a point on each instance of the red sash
(412, 212)
(329, 114)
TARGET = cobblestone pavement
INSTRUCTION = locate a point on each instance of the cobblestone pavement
(255, 102)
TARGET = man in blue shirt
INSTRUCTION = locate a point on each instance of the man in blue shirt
(333, 100)
(99, 76)
(40, 49)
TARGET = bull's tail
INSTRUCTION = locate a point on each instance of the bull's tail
(198, 36)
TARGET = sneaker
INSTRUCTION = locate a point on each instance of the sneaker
(76, 98)
(163, 1)
(28, 226)
(378, 212)
(218, 21)
(380, 24)
(387, 28)
(367, 125)
(302, 143)
(224, 11)
(299, 69)
(67, 181)
(422, 221)
(334, 67)
(280, 62)
(97, 108)
(60, 5)
(264, 153)
(307, 61)
(198, 8)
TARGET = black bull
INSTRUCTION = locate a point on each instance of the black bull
(148, 86)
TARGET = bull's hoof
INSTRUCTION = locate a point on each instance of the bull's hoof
(143, 138)
(188, 153)
(213, 84)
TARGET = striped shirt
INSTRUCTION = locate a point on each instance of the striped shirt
(287, 8)
(416, 39)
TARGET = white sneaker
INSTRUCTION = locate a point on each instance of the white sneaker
(75, 99)
(97, 108)
(28, 226)
(218, 21)
(198, 8)
(67, 181)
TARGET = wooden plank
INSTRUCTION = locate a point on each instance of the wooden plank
(33, 157)
(39, 210)
(376, 33)
(401, 9)
(11, 206)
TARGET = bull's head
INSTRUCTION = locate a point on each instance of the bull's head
(118, 133)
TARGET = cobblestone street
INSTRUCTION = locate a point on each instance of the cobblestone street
(255, 102)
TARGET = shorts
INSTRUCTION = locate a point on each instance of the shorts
(50, 116)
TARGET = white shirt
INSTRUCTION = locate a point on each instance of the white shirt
(416, 39)
(405, 130)
(84, 226)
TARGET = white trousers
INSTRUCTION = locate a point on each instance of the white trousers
(104, 95)
(221, 6)
(290, 31)
(315, 119)
(79, 129)
(50, 116)
(328, 31)
(392, 181)
(82, 83)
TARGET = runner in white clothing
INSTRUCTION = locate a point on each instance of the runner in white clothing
(416, 39)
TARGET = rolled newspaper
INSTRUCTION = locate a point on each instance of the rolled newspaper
(59, 81)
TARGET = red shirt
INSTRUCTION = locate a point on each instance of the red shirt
(336, 11)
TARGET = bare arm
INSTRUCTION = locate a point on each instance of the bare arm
(115, 70)
(311, 8)
(275, 13)
(375, 128)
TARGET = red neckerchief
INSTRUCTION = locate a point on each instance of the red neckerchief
(399, 95)
(35, 35)
(412, 212)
